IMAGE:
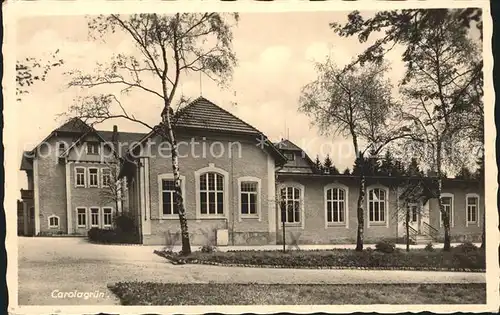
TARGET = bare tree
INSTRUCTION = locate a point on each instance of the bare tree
(168, 46)
(443, 78)
(113, 185)
(30, 69)
(355, 103)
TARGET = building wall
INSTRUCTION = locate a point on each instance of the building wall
(52, 189)
(246, 159)
(460, 231)
(315, 229)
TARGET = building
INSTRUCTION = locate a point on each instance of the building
(232, 180)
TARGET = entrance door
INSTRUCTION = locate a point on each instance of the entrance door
(415, 216)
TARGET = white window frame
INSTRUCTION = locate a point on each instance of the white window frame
(346, 205)
(84, 176)
(97, 177)
(103, 215)
(102, 176)
(301, 188)
(169, 176)
(58, 221)
(98, 217)
(212, 169)
(59, 147)
(78, 215)
(452, 212)
(97, 146)
(467, 196)
(386, 206)
(258, 200)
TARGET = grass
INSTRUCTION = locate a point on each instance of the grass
(456, 259)
(147, 293)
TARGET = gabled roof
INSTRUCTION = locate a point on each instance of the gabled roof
(203, 114)
(286, 144)
(75, 125)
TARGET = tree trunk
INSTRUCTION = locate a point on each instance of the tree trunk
(407, 228)
(360, 213)
(445, 214)
(483, 235)
(186, 246)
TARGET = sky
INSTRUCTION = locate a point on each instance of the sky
(276, 54)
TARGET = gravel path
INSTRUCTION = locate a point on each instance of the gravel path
(49, 267)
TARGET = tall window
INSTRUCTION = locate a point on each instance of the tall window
(212, 193)
(53, 222)
(94, 217)
(107, 216)
(335, 205)
(472, 206)
(92, 147)
(106, 177)
(93, 177)
(447, 202)
(248, 200)
(290, 200)
(80, 177)
(62, 147)
(168, 197)
(81, 217)
(377, 203)
(414, 213)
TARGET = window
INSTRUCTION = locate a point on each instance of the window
(92, 147)
(107, 216)
(62, 147)
(290, 205)
(106, 177)
(80, 177)
(447, 202)
(289, 156)
(81, 214)
(211, 193)
(472, 208)
(94, 217)
(168, 197)
(377, 204)
(93, 177)
(249, 198)
(414, 213)
(335, 205)
(53, 222)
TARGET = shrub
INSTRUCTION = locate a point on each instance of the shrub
(124, 222)
(385, 247)
(466, 247)
(112, 236)
(208, 249)
(429, 247)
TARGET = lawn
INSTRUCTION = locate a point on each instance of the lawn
(457, 259)
(140, 293)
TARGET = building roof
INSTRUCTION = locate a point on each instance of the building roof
(26, 161)
(74, 125)
(286, 144)
(203, 114)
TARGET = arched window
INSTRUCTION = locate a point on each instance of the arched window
(335, 205)
(53, 222)
(211, 193)
(377, 205)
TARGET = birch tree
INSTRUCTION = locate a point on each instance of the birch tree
(168, 48)
(442, 79)
(356, 103)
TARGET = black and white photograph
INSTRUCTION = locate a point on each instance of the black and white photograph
(339, 157)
